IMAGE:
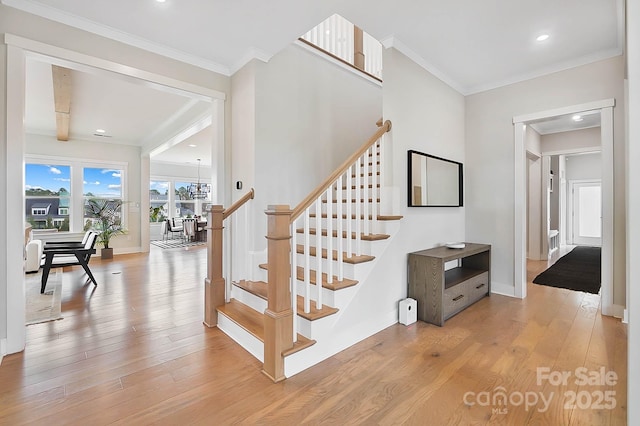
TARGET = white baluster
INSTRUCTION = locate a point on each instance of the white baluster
(374, 188)
(381, 190)
(365, 195)
(359, 182)
(307, 266)
(330, 233)
(294, 282)
(319, 252)
(340, 197)
(350, 183)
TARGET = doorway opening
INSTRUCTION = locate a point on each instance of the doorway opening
(19, 51)
(604, 111)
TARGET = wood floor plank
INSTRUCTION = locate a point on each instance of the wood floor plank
(134, 351)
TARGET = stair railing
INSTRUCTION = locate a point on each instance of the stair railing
(215, 289)
(352, 176)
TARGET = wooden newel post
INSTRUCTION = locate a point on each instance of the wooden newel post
(214, 284)
(278, 318)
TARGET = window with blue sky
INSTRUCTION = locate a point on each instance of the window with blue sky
(50, 201)
(102, 182)
(47, 179)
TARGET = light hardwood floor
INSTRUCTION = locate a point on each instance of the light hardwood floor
(134, 351)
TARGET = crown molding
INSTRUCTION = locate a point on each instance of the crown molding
(252, 53)
(56, 15)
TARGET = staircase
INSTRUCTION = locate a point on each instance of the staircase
(336, 234)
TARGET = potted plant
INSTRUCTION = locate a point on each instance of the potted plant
(107, 222)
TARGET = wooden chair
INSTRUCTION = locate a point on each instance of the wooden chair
(65, 244)
(61, 256)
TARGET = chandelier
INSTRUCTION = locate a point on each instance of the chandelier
(199, 191)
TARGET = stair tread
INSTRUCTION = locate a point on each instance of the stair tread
(353, 216)
(249, 319)
(301, 344)
(369, 237)
(361, 258)
(253, 322)
(260, 289)
(353, 200)
(335, 285)
(370, 186)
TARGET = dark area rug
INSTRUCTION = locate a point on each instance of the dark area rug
(577, 270)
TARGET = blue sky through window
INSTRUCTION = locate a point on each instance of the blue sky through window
(102, 182)
(47, 177)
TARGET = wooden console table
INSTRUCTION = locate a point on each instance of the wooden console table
(442, 294)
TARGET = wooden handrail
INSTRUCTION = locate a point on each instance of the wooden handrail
(339, 171)
(235, 206)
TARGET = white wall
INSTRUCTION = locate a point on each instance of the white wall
(41, 30)
(310, 115)
(490, 146)
(573, 140)
(633, 208)
(427, 116)
(585, 166)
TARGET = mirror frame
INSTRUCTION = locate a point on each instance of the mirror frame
(410, 183)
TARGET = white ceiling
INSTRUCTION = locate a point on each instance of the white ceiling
(470, 44)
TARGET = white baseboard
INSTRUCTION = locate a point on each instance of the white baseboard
(503, 289)
(3, 349)
(616, 311)
(127, 250)
(625, 316)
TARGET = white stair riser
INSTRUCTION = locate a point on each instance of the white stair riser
(254, 302)
(245, 339)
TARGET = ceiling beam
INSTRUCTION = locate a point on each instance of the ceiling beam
(62, 100)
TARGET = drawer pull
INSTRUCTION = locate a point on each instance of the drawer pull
(455, 299)
(479, 286)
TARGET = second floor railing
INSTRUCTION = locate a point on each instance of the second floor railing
(348, 43)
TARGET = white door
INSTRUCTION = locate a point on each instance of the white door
(587, 213)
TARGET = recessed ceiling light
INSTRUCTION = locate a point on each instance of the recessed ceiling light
(101, 131)
(577, 117)
(192, 145)
(160, 1)
(542, 37)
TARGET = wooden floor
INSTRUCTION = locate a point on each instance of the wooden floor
(134, 351)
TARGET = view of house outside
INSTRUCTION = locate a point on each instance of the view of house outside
(49, 202)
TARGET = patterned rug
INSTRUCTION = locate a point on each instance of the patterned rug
(177, 243)
(43, 307)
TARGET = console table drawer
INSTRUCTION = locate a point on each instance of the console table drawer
(455, 299)
(478, 286)
(442, 292)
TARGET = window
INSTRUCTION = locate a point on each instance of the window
(103, 184)
(185, 206)
(47, 191)
(158, 201)
(56, 190)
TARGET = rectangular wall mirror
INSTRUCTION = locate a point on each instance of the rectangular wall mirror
(434, 181)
